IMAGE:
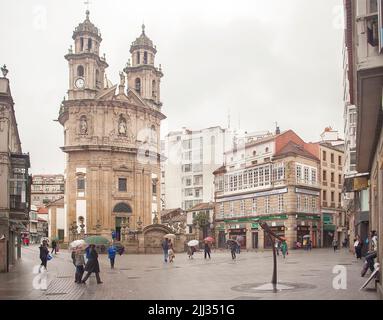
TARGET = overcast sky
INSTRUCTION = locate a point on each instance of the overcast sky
(264, 60)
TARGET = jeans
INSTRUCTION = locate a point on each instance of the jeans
(44, 262)
(207, 253)
(54, 249)
(233, 256)
(112, 262)
(79, 273)
(166, 255)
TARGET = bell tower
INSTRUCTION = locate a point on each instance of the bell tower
(86, 67)
(143, 76)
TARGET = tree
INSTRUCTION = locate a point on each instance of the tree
(202, 221)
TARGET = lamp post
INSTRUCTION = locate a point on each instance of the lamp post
(74, 230)
(271, 234)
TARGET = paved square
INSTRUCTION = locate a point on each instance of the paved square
(148, 277)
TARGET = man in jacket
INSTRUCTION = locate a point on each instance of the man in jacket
(112, 255)
(44, 252)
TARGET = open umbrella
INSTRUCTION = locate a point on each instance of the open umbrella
(193, 243)
(170, 235)
(77, 244)
(97, 240)
(306, 236)
(230, 240)
(209, 239)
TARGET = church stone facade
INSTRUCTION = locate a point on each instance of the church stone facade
(111, 138)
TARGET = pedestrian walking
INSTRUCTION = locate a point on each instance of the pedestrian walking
(238, 247)
(54, 246)
(171, 251)
(284, 249)
(44, 253)
(92, 265)
(207, 249)
(233, 249)
(358, 244)
(191, 251)
(310, 244)
(112, 255)
(79, 263)
(27, 241)
(335, 244)
(277, 246)
(165, 248)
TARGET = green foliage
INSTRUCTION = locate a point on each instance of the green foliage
(201, 219)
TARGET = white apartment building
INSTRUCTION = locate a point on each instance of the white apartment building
(191, 158)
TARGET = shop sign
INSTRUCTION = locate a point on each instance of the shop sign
(279, 217)
(254, 226)
(308, 217)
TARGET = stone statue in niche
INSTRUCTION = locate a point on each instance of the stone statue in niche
(122, 79)
(83, 125)
(122, 126)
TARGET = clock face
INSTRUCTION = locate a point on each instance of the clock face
(80, 83)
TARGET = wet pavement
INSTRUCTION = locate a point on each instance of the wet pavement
(140, 277)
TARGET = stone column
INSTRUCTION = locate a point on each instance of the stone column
(290, 231)
(261, 239)
(248, 236)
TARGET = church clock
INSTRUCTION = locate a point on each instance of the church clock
(80, 83)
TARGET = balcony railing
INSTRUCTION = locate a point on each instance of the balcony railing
(307, 182)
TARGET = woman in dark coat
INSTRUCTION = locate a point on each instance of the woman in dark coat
(44, 254)
(207, 249)
(92, 265)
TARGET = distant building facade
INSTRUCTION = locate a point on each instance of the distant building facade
(275, 179)
(46, 188)
(14, 181)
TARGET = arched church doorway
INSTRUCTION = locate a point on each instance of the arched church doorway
(122, 213)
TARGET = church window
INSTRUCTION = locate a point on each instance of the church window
(145, 57)
(89, 44)
(153, 88)
(98, 79)
(138, 58)
(81, 44)
(138, 85)
(122, 184)
(80, 71)
(81, 183)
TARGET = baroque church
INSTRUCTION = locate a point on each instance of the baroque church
(111, 138)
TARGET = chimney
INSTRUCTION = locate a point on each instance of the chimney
(277, 130)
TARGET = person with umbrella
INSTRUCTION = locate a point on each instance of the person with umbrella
(191, 248)
(79, 262)
(171, 251)
(112, 255)
(92, 265)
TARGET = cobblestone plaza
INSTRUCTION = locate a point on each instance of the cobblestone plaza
(147, 277)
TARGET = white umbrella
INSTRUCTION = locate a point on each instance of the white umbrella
(170, 235)
(193, 243)
(77, 244)
(306, 236)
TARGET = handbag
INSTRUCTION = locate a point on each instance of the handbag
(49, 257)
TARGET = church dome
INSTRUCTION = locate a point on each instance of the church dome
(86, 27)
(142, 42)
